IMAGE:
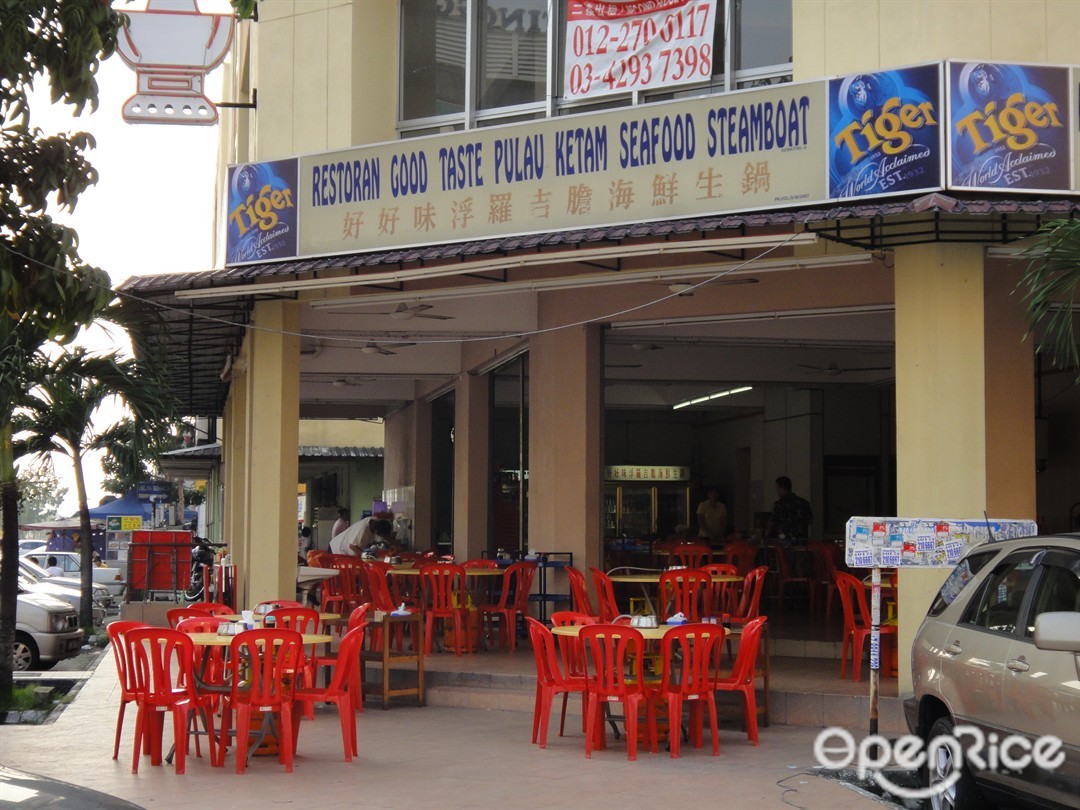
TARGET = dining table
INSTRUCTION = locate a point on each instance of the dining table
(646, 578)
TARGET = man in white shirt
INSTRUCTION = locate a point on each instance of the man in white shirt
(362, 534)
(52, 569)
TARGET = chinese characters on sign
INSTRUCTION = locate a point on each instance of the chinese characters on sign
(632, 472)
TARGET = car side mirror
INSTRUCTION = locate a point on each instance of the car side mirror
(1058, 630)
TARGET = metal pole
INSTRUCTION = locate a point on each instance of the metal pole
(875, 645)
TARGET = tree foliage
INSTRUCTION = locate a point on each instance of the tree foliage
(40, 493)
(1051, 285)
(46, 291)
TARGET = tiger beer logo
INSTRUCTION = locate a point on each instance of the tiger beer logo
(889, 131)
(261, 211)
(1016, 123)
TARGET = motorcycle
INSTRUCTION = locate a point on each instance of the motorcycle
(202, 557)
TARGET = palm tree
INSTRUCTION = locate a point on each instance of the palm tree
(1051, 285)
(58, 416)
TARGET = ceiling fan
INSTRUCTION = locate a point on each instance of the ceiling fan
(404, 312)
(834, 370)
(371, 347)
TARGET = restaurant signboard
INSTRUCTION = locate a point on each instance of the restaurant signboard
(856, 137)
(646, 472)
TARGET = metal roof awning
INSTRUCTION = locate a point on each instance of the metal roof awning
(196, 336)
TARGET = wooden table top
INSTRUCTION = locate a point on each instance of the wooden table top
(649, 633)
(645, 577)
(214, 640)
(469, 572)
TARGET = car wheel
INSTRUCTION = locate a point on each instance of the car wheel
(960, 795)
(26, 653)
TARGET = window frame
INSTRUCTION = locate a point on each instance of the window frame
(726, 80)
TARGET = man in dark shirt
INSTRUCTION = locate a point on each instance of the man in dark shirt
(791, 515)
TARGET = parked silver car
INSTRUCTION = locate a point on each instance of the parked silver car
(46, 630)
(999, 650)
(71, 563)
(64, 588)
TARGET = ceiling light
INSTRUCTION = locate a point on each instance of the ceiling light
(708, 397)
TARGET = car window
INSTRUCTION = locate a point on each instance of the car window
(997, 606)
(1058, 588)
(964, 572)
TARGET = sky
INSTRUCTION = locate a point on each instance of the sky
(151, 210)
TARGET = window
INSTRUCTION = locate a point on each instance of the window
(1058, 589)
(466, 63)
(964, 573)
(997, 607)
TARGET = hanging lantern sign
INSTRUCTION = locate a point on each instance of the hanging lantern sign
(172, 46)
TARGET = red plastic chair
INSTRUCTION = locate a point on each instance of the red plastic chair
(613, 650)
(303, 620)
(340, 689)
(750, 602)
(823, 556)
(513, 602)
(125, 671)
(177, 615)
(572, 656)
(723, 598)
(488, 564)
(696, 648)
(165, 682)
(579, 592)
(378, 591)
(684, 591)
(856, 628)
(213, 608)
(551, 680)
(742, 555)
(211, 669)
(605, 596)
(358, 618)
(785, 576)
(263, 680)
(741, 678)
(445, 598)
(690, 555)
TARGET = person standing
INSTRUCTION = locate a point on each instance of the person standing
(342, 522)
(791, 516)
(712, 517)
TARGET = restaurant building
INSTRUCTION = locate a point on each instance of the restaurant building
(526, 233)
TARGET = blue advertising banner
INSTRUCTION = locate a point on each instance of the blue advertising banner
(262, 217)
(885, 132)
(1009, 126)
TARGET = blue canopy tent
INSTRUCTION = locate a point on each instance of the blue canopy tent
(129, 505)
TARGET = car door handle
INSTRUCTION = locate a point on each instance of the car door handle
(1017, 665)
(953, 648)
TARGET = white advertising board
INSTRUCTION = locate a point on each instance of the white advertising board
(896, 542)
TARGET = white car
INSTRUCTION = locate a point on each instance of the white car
(999, 651)
(71, 562)
(63, 588)
(46, 630)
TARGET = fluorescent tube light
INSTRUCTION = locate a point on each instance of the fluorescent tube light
(708, 397)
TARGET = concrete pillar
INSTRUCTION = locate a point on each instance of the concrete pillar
(234, 454)
(472, 463)
(964, 404)
(565, 450)
(272, 452)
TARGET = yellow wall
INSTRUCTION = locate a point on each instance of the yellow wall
(846, 36)
(341, 433)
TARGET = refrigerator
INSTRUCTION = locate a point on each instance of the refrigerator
(641, 500)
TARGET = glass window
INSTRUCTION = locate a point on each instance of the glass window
(964, 572)
(433, 57)
(512, 52)
(762, 33)
(1058, 589)
(998, 606)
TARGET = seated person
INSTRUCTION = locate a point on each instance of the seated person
(52, 569)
